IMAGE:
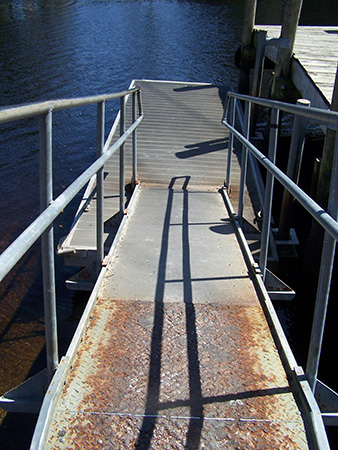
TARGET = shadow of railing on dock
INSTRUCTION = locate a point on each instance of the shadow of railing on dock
(195, 402)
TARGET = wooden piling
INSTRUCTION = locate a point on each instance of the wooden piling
(327, 158)
(247, 50)
(281, 82)
(315, 239)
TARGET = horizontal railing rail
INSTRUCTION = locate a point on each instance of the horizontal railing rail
(17, 112)
(31, 234)
(326, 218)
(50, 208)
(317, 212)
(317, 114)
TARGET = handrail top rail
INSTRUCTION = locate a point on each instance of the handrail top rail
(312, 112)
(14, 252)
(318, 213)
(23, 111)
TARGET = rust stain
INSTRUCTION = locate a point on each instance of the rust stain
(230, 389)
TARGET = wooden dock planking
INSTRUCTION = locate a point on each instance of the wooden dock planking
(315, 61)
(181, 135)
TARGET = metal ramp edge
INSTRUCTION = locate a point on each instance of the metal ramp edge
(295, 373)
(56, 385)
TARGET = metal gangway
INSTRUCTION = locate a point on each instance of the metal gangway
(179, 343)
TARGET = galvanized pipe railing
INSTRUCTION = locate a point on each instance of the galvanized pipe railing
(263, 256)
(327, 219)
(35, 109)
(51, 208)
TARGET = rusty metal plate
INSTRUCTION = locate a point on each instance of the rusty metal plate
(175, 376)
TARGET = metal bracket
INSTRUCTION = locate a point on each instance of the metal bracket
(327, 400)
(279, 42)
(28, 396)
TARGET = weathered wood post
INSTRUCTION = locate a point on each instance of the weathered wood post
(293, 170)
(247, 51)
(281, 85)
(327, 158)
(315, 238)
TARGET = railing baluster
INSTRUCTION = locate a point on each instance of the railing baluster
(99, 186)
(268, 192)
(324, 282)
(139, 101)
(134, 141)
(232, 116)
(293, 169)
(244, 160)
(47, 242)
(122, 169)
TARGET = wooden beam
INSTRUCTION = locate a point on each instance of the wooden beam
(284, 57)
(325, 170)
(289, 30)
(248, 22)
(246, 50)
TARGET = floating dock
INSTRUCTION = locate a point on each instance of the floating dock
(314, 64)
(181, 134)
(176, 351)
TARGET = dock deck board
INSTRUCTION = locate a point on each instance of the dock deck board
(315, 61)
(177, 352)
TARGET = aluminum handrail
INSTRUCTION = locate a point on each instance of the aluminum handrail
(317, 212)
(34, 109)
(31, 234)
(50, 208)
(321, 115)
(327, 219)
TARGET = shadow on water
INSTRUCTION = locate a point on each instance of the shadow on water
(195, 389)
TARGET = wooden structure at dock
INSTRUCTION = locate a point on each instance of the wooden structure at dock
(314, 63)
(176, 350)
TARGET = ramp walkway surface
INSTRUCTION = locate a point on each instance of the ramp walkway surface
(177, 352)
(181, 134)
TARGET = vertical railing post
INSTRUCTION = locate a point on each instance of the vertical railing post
(263, 256)
(47, 243)
(99, 187)
(232, 115)
(293, 168)
(324, 282)
(258, 75)
(122, 169)
(139, 101)
(134, 137)
(244, 160)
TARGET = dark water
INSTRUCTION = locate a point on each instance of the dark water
(59, 48)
